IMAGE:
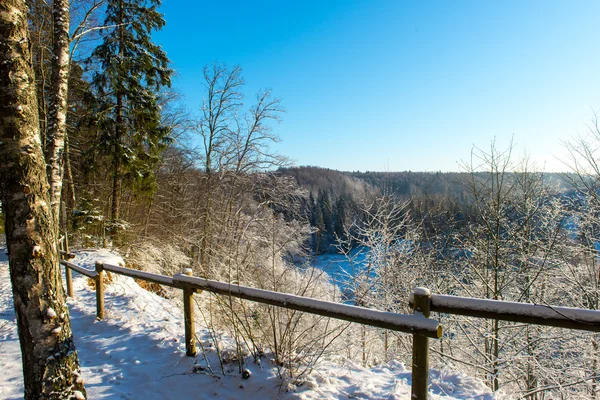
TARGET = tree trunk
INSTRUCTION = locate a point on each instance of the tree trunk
(116, 188)
(50, 362)
(117, 164)
(72, 200)
(40, 17)
(206, 228)
(57, 122)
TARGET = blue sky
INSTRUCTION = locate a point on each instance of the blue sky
(401, 85)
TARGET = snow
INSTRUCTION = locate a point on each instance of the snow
(447, 303)
(138, 352)
(421, 291)
(50, 313)
(390, 381)
(78, 395)
(147, 276)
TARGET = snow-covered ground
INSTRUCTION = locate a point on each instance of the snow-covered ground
(137, 352)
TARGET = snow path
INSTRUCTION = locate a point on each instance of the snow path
(11, 376)
(137, 353)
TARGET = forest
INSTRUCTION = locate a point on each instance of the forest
(128, 167)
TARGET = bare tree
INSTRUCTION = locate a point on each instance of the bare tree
(56, 127)
(580, 268)
(508, 251)
(385, 268)
(50, 362)
(234, 145)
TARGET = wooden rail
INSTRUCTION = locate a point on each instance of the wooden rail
(561, 317)
(83, 271)
(417, 324)
(145, 276)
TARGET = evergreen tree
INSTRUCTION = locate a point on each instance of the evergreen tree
(312, 209)
(318, 235)
(133, 70)
(340, 217)
(324, 203)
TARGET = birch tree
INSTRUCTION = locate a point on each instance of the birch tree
(57, 121)
(50, 26)
(50, 362)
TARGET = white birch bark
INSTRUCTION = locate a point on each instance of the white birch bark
(50, 362)
(57, 122)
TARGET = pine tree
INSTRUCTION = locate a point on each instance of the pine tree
(324, 203)
(133, 70)
(339, 223)
(312, 209)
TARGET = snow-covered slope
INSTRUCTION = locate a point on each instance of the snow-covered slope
(137, 353)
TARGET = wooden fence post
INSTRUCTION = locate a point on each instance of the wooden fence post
(99, 290)
(420, 360)
(188, 311)
(68, 273)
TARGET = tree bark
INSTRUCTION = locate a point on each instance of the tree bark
(69, 178)
(117, 178)
(50, 362)
(57, 121)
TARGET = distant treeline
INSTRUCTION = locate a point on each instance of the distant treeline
(336, 198)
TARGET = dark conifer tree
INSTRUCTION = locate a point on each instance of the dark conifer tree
(324, 204)
(132, 71)
(313, 210)
(340, 217)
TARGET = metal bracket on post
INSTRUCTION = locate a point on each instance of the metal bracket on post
(188, 311)
(99, 290)
(420, 361)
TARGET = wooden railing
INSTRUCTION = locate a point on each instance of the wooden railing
(536, 314)
(418, 324)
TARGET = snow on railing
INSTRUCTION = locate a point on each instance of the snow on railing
(562, 317)
(81, 270)
(417, 324)
(145, 276)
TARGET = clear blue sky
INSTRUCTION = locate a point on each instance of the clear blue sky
(401, 85)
